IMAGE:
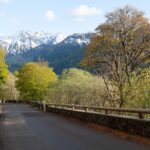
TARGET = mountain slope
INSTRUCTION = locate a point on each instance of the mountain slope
(60, 51)
(25, 41)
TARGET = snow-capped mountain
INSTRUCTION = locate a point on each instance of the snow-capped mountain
(58, 38)
(59, 50)
(24, 41)
(78, 39)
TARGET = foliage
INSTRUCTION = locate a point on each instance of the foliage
(122, 44)
(3, 74)
(8, 90)
(3, 68)
(34, 80)
(79, 87)
(139, 95)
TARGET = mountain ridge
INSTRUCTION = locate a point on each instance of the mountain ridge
(59, 50)
(26, 40)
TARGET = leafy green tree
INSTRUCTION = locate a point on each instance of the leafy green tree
(3, 73)
(3, 68)
(34, 80)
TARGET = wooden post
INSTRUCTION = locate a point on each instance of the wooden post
(141, 116)
(44, 106)
(106, 112)
(86, 109)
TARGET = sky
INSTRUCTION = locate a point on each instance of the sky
(59, 16)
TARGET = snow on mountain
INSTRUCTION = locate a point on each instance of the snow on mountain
(24, 41)
(58, 38)
(79, 39)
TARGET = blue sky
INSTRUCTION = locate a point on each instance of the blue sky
(65, 16)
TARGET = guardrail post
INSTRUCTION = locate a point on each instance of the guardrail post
(106, 112)
(86, 109)
(44, 106)
(141, 116)
(3, 101)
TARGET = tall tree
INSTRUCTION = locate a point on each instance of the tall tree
(121, 45)
(3, 68)
(34, 80)
(3, 73)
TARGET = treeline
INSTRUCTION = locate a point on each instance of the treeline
(118, 57)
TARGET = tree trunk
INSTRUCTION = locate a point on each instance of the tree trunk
(121, 97)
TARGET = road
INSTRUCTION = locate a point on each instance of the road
(23, 128)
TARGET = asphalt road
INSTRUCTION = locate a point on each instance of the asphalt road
(23, 128)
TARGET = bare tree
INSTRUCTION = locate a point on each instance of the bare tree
(121, 45)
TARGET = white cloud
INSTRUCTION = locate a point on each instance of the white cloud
(6, 1)
(84, 10)
(50, 15)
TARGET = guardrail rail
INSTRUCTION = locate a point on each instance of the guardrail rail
(107, 110)
(138, 113)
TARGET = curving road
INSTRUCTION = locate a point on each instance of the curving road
(22, 128)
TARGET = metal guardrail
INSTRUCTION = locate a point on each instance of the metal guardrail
(140, 113)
